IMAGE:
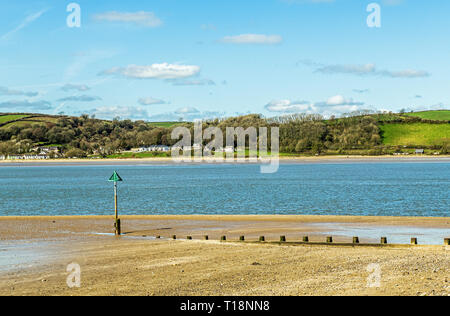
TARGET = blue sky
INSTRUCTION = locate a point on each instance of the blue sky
(171, 59)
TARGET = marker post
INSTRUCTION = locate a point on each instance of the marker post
(116, 178)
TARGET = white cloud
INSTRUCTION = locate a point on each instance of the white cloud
(339, 100)
(187, 114)
(77, 87)
(408, 73)
(287, 106)
(366, 70)
(8, 91)
(187, 110)
(150, 101)
(80, 98)
(141, 18)
(359, 70)
(140, 113)
(25, 104)
(155, 71)
(333, 106)
(124, 112)
(253, 39)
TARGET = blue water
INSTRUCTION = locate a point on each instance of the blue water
(385, 189)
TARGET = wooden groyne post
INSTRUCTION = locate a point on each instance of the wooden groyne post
(116, 178)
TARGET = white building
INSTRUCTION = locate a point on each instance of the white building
(154, 148)
(229, 149)
(28, 157)
(197, 146)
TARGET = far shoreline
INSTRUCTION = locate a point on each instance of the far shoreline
(395, 220)
(282, 160)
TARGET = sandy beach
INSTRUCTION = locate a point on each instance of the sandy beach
(282, 159)
(139, 264)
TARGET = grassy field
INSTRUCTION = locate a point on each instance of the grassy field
(9, 118)
(44, 119)
(20, 120)
(417, 134)
(165, 124)
(443, 115)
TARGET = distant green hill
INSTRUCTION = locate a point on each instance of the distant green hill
(415, 134)
(441, 115)
(361, 133)
(9, 120)
(5, 119)
(415, 129)
(20, 120)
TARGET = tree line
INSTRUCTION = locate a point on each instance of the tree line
(83, 136)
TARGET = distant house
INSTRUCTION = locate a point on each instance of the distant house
(162, 148)
(28, 157)
(176, 148)
(143, 149)
(36, 157)
(420, 151)
(197, 147)
(229, 149)
(207, 149)
(48, 149)
(154, 148)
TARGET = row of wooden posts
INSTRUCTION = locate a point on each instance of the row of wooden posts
(305, 239)
(117, 227)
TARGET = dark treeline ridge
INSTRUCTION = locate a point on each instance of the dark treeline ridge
(299, 133)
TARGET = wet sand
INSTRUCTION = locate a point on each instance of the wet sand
(139, 264)
(252, 226)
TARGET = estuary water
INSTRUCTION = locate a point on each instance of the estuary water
(376, 189)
